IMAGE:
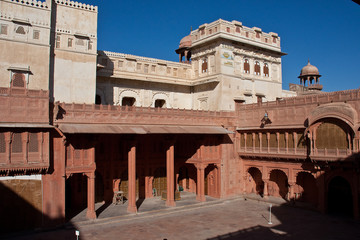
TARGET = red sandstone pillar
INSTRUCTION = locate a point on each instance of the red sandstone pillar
(170, 181)
(200, 193)
(91, 196)
(132, 179)
(266, 194)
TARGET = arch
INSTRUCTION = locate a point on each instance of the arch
(306, 189)
(161, 96)
(20, 30)
(254, 182)
(159, 182)
(333, 134)
(339, 197)
(341, 111)
(130, 94)
(278, 184)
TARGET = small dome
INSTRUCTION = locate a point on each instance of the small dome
(185, 41)
(309, 70)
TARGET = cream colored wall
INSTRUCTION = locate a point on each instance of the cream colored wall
(22, 51)
(75, 65)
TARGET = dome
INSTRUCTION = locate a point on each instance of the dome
(185, 41)
(309, 70)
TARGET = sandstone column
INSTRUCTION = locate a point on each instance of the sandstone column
(132, 178)
(170, 181)
(91, 195)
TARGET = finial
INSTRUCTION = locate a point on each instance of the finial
(308, 61)
(191, 29)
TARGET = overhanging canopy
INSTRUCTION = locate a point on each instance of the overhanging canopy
(141, 129)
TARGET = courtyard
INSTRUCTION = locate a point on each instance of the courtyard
(236, 218)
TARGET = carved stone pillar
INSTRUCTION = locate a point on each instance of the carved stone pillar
(291, 191)
(200, 193)
(132, 178)
(91, 196)
(266, 183)
(170, 181)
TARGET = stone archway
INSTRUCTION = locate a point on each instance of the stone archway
(278, 184)
(254, 182)
(306, 188)
(340, 201)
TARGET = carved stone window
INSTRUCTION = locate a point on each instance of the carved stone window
(33, 142)
(237, 29)
(274, 39)
(90, 43)
(257, 68)
(266, 70)
(20, 30)
(3, 29)
(246, 66)
(57, 41)
(70, 42)
(18, 80)
(16, 144)
(2, 143)
(228, 29)
(204, 65)
(36, 34)
(257, 35)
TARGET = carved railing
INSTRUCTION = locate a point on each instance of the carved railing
(92, 113)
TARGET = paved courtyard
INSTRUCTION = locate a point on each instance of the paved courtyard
(217, 219)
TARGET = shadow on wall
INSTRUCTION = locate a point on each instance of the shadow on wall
(22, 214)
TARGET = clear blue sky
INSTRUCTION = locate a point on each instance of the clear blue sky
(325, 31)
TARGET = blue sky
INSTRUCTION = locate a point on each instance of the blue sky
(325, 31)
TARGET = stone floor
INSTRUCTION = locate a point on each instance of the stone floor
(237, 218)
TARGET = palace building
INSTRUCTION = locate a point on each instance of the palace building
(78, 124)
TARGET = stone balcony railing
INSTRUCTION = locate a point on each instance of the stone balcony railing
(296, 153)
(110, 114)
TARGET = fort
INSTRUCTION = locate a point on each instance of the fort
(79, 125)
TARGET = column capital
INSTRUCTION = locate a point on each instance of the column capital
(201, 166)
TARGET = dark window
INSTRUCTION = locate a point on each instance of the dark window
(57, 43)
(266, 70)
(237, 29)
(3, 29)
(128, 101)
(274, 39)
(257, 68)
(70, 42)
(257, 34)
(247, 34)
(159, 103)
(97, 99)
(228, 29)
(36, 34)
(246, 66)
(204, 65)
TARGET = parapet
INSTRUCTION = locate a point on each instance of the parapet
(31, 3)
(77, 5)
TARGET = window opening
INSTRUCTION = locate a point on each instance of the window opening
(20, 30)
(36, 34)
(70, 42)
(204, 65)
(257, 68)
(18, 80)
(128, 101)
(16, 145)
(266, 70)
(160, 103)
(246, 66)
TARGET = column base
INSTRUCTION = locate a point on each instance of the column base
(91, 214)
(201, 198)
(170, 203)
(266, 197)
(132, 209)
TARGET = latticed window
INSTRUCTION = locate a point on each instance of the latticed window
(257, 68)
(246, 66)
(57, 42)
(2, 143)
(266, 70)
(20, 30)
(33, 142)
(77, 154)
(16, 144)
(3, 29)
(36, 34)
(18, 80)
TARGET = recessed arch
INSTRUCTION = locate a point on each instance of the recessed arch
(340, 199)
(278, 184)
(254, 182)
(129, 94)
